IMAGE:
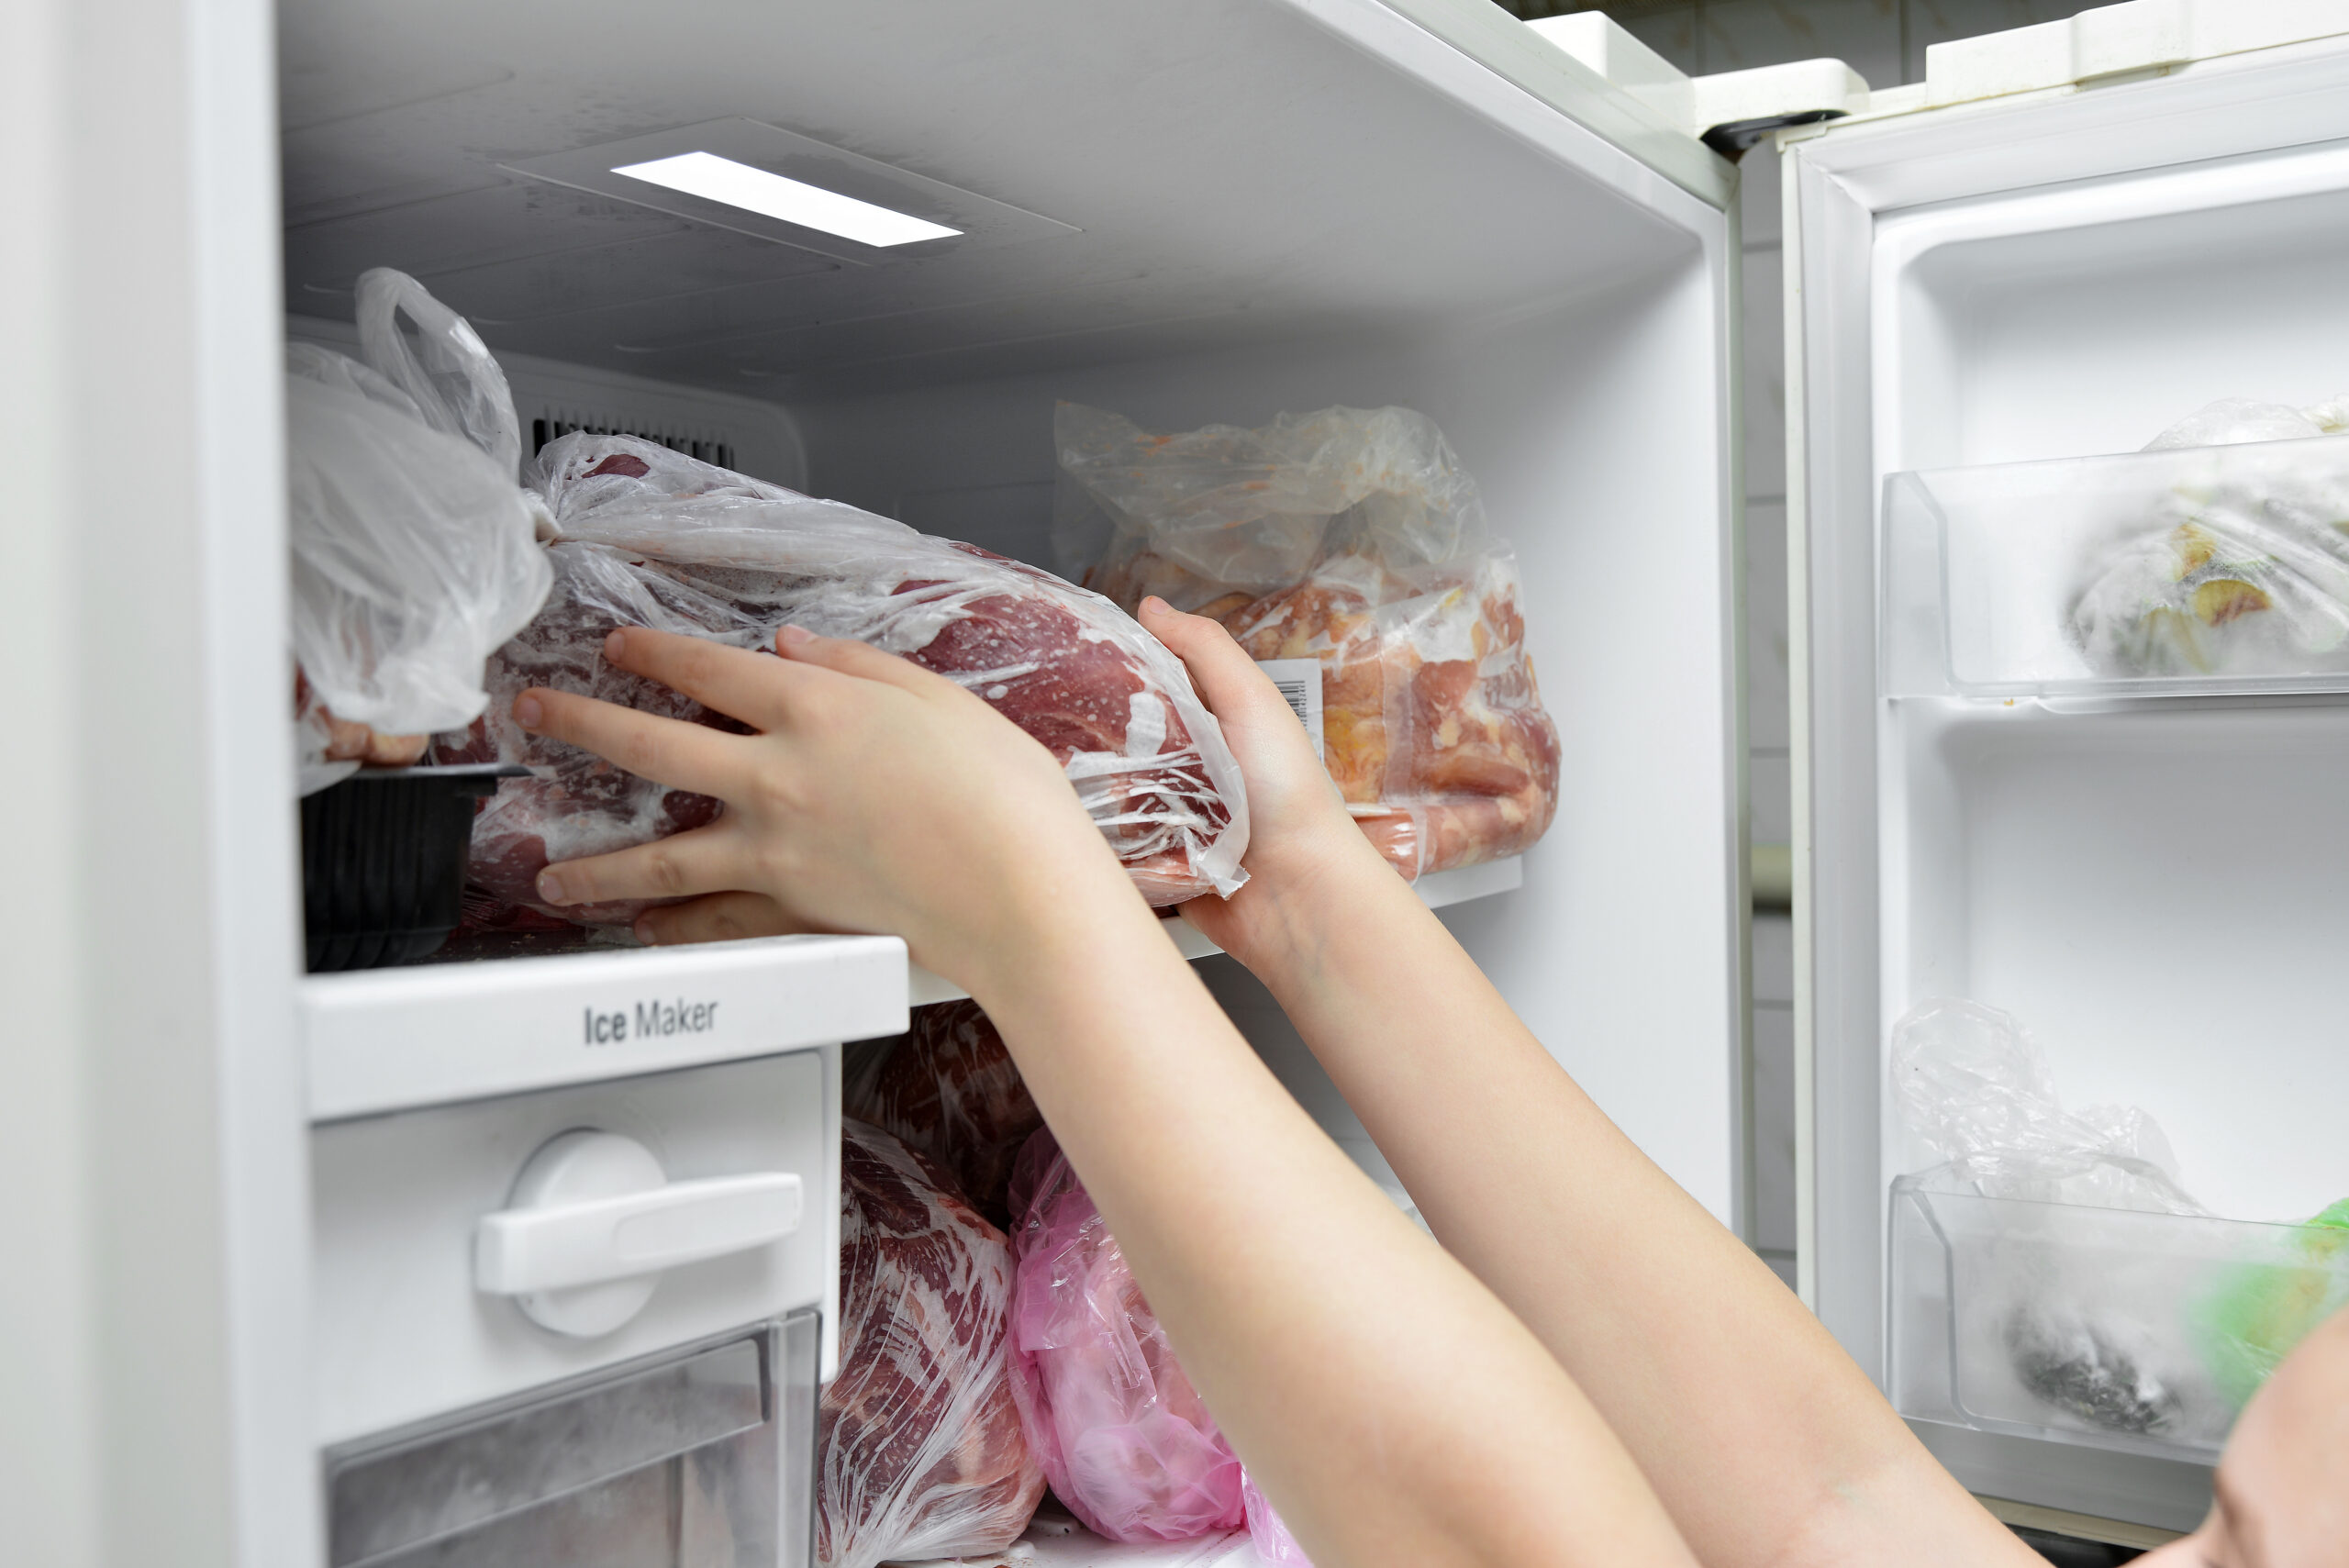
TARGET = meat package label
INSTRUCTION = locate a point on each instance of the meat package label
(649, 1020)
(1299, 680)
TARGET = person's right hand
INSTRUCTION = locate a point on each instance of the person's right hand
(874, 796)
(1298, 829)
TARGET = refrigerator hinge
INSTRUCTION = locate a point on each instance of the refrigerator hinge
(1729, 112)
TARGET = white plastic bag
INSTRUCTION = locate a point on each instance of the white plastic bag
(647, 537)
(413, 549)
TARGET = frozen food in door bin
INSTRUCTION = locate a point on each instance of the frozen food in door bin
(949, 1088)
(1354, 538)
(645, 537)
(921, 1454)
(1124, 1439)
(2242, 567)
(413, 546)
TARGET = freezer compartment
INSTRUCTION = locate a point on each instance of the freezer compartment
(701, 1458)
(2111, 1327)
(2193, 570)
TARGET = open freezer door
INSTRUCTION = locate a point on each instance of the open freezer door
(2011, 790)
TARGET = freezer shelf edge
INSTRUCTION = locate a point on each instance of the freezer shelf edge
(389, 1039)
(1436, 891)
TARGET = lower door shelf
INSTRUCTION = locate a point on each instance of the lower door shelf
(2141, 1332)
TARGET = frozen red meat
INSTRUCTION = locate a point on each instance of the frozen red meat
(646, 536)
(949, 1089)
(921, 1449)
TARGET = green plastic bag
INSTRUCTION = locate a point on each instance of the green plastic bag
(2261, 1309)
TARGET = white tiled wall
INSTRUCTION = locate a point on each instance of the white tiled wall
(1885, 42)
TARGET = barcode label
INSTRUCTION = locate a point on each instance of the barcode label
(1299, 680)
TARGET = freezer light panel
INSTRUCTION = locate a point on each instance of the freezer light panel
(713, 178)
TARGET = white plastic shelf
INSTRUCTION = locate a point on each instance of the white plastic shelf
(1436, 891)
(387, 1040)
(2192, 571)
(2116, 1329)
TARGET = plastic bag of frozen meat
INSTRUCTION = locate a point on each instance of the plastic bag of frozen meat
(646, 536)
(413, 548)
(1124, 1439)
(948, 1088)
(1354, 541)
(921, 1449)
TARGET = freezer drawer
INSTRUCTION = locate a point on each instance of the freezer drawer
(702, 1457)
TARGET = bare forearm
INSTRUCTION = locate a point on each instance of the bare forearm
(1763, 1439)
(1393, 1409)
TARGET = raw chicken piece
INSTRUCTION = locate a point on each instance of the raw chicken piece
(649, 538)
(949, 1089)
(1431, 723)
(922, 1453)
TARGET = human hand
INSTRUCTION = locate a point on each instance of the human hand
(1298, 831)
(2282, 1490)
(873, 796)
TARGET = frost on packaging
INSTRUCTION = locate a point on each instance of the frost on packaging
(921, 1451)
(1354, 538)
(646, 536)
(2243, 568)
(1124, 1439)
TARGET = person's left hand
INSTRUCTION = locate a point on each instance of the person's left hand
(875, 795)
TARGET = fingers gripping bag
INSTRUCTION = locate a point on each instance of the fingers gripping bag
(647, 537)
(1124, 1439)
(949, 1089)
(413, 548)
(921, 1451)
(1352, 539)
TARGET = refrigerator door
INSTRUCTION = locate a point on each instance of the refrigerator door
(2138, 876)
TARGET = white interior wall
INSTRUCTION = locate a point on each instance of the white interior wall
(1595, 427)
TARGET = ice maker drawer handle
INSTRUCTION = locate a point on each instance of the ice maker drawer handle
(523, 1250)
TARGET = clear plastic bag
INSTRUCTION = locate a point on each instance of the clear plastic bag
(1972, 1084)
(646, 536)
(1354, 538)
(922, 1453)
(413, 550)
(1124, 1439)
(949, 1088)
(2243, 568)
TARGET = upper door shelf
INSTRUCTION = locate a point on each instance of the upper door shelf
(2191, 571)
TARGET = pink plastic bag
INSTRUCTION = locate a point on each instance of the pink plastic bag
(646, 536)
(922, 1449)
(1124, 1439)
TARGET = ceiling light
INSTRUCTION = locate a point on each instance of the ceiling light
(713, 178)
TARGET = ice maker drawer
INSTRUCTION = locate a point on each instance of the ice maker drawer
(407, 1329)
(698, 1458)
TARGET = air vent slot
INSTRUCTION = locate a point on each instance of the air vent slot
(703, 445)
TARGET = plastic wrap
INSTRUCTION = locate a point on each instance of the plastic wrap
(1971, 1083)
(1124, 1439)
(2260, 1310)
(1355, 538)
(412, 547)
(949, 1088)
(2243, 568)
(921, 1449)
(646, 536)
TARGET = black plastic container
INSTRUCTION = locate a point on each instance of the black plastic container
(384, 861)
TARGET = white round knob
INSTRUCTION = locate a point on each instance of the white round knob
(576, 1168)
